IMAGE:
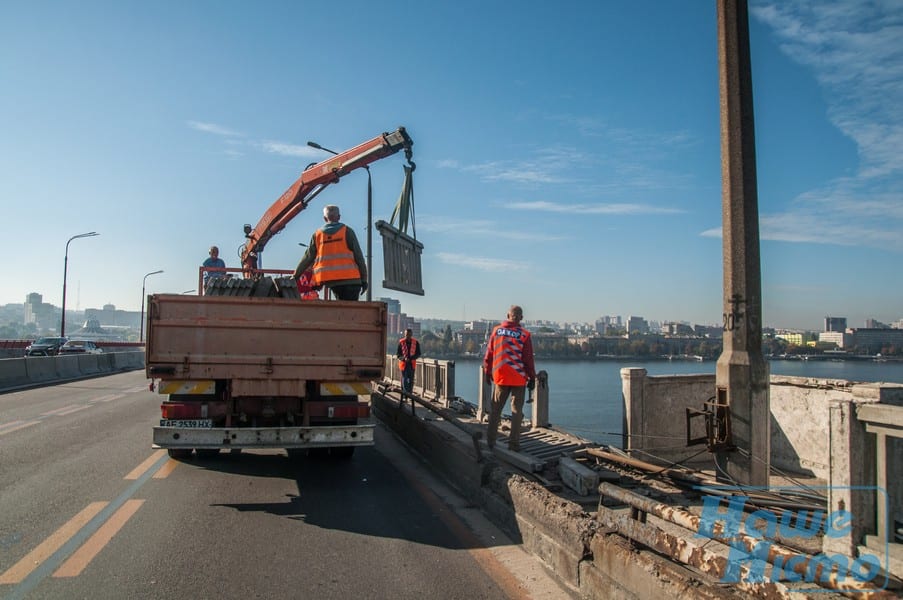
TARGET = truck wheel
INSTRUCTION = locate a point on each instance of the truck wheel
(179, 453)
(206, 452)
(342, 452)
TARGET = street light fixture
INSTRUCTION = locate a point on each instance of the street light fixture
(369, 221)
(65, 271)
(141, 335)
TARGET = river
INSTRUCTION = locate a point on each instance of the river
(585, 396)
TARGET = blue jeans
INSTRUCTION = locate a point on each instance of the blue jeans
(407, 378)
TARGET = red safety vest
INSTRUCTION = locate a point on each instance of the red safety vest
(305, 287)
(407, 351)
(335, 261)
(507, 344)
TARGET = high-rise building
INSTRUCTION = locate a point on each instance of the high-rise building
(835, 324)
(393, 306)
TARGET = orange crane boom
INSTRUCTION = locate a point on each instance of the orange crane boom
(312, 181)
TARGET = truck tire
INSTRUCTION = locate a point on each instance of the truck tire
(179, 453)
(206, 452)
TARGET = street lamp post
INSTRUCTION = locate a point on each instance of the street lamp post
(143, 284)
(65, 271)
(369, 221)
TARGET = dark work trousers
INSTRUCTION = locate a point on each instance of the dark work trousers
(499, 398)
(407, 377)
(346, 292)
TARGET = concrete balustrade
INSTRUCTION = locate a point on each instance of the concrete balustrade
(17, 373)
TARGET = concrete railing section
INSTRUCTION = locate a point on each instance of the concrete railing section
(847, 437)
(18, 373)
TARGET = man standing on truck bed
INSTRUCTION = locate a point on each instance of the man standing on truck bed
(336, 257)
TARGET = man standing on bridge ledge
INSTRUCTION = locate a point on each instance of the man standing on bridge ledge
(509, 364)
(336, 257)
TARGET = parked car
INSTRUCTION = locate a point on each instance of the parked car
(80, 347)
(45, 346)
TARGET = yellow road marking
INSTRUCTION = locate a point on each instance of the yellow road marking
(72, 410)
(483, 556)
(166, 469)
(83, 556)
(140, 469)
(31, 561)
(58, 410)
(17, 425)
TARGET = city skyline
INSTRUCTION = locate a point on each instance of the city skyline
(567, 161)
(829, 322)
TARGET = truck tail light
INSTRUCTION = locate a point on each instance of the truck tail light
(181, 410)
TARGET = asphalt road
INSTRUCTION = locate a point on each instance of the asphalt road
(89, 510)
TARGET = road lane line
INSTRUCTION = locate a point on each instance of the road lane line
(73, 410)
(19, 425)
(48, 547)
(107, 398)
(140, 469)
(56, 412)
(78, 561)
(37, 576)
(166, 469)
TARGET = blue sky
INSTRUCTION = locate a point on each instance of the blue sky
(568, 155)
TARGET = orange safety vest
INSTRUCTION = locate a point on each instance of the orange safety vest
(407, 351)
(335, 261)
(507, 345)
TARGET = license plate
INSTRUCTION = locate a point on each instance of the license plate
(196, 423)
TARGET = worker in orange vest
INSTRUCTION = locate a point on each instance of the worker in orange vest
(336, 258)
(408, 352)
(509, 365)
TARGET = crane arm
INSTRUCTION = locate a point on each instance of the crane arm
(312, 181)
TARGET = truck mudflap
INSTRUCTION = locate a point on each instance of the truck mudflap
(325, 436)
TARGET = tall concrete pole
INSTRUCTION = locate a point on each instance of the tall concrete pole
(741, 375)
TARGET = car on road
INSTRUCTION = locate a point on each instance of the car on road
(45, 346)
(80, 347)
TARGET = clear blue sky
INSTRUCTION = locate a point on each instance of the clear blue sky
(568, 153)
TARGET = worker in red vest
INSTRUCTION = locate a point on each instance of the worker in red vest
(336, 258)
(509, 365)
(408, 352)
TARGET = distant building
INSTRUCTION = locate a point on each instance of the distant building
(396, 323)
(872, 341)
(43, 315)
(835, 323)
(874, 324)
(677, 329)
(393, 306)
(109, 316)
(637, 326)
(841, 339)
(793, 338)
(710, 331)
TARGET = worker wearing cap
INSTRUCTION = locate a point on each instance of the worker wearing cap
(336, 258)
(509, 364)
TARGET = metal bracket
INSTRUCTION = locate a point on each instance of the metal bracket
(717, 436)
